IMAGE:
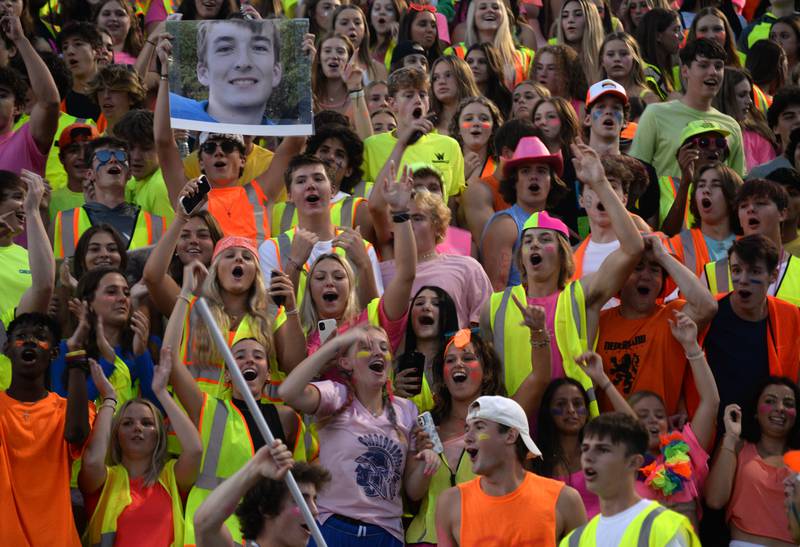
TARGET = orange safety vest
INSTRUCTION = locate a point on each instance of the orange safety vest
(522, 62)
(783, 345)
(577, 256)
(689, 246)
(247, 217)
(488, 178)
(506, 520)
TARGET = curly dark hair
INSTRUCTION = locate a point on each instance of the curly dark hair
(494, 112)
(751, 431)
(84, 30)
(351, 143)
(493, 380)
(14, 82)
(508, 188)
(267, 498)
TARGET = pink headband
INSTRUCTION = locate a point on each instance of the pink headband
(234, 241)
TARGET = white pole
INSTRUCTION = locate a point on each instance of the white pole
(255, 412)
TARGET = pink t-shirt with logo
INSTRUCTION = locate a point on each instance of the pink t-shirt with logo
(366, 457)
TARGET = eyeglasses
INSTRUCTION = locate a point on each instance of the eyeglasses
(706, 142)
(422, 7)
(104, 156)
(209, 147)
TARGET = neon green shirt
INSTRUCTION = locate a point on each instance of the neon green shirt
(440, 151)
(658, 136)
(64, 199)
(151, 195)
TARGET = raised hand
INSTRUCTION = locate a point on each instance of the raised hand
(533, 316)
(302, 245)
(36, 189)
(309, 50)
(684, 330)
(588, 168)
(190, 189)
(194, 275)
(398, 194)
(12, 27)
(592, 365)
(106, 350)
(141, 332)
(65, 276)
(80, 310)
(280, 285)
(406, 383)
(732, 418)
(102, 383)
(353, 244)
(164, 51)
(272, 462)
(688, 154)
(162, 371)
(353, 75)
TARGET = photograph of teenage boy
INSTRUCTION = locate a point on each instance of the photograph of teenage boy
(238, 61)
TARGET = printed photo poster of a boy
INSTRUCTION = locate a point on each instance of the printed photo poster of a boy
(243, 76)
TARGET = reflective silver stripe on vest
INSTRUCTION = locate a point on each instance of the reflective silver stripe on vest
(360, 189)
(721, 270)
(499, 330)
(68, 232)
(688, 249)
(287, 217)
(647, 526)
(576, 317)
(346, 218)
(575, 537)
(284, 248)
(208, 478)
(157, 224)
(258, 211)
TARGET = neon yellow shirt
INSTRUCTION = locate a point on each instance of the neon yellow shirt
(258, 161)
(64, 199)
(439, 151)
(15, 276)
(150, 194)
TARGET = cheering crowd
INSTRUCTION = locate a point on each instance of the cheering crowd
(533, 280)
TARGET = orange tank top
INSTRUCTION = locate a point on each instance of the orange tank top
(524, 518)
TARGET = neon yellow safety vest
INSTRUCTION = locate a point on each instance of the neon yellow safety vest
(283, 244)
(343, 214)
(362, 190)
(653, 76)
(210, 377)
(653, 527)
(116, 496)
(761, 30)
(512, 340)
(667, 190)
(718, 277)
(227, 447)
(423, 527)
(70, 225)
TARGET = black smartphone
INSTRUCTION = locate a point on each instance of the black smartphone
(279, 300)
(190, 202)
(413, 360)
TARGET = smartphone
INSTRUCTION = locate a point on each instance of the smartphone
(190, 202)
(326, 328)
(416, 361)
(279, 300)
(425, 421)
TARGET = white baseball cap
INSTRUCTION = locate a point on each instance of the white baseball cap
(606, 87)
(505, 411)
(204, 136)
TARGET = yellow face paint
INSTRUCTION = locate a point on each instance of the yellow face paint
(360, 354)
(483, 436)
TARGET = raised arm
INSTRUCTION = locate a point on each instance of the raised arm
(398, 291)
(296, 390)
(687, 159)
(271, 181)
(76, 428)
(188, 464)
(353, 244)
(290, 340)
(497, 250)
(700, 306)
(40, 255)
(162, 288)
(592, 365)
(723, 473)
(379, 211)
(608, 280)
(357, 109)
(270, 462)
(168, 156)
(529, 393)
(684, 330)
(93, 471)
(45, 111)
(181, 380)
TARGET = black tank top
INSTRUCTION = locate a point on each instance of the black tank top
(270, 413)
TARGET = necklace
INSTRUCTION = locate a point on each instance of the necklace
(427, 256)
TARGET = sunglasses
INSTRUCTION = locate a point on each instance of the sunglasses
(209, 147)
(705, 142)
(104, 156)
(422, 7)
